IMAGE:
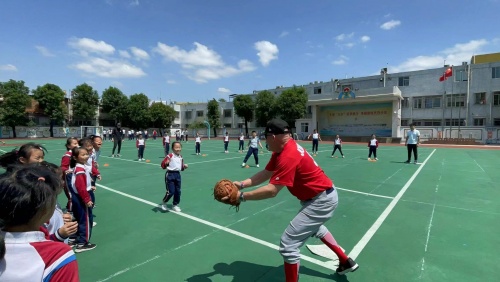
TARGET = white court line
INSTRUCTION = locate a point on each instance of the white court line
(479, 166)
(363, 193)
(328, 264)
(369, 234)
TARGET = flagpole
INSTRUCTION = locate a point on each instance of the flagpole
(469, 76)
(452, 105)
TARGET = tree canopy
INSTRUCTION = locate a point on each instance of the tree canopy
(291, 105)
(244, 107)
(85, 101)
(115, 103)
(15, 100)
(213, 115)
(161, 115)
(50, 98)
(265, 107)
(138, 111)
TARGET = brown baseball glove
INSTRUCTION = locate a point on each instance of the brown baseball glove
(226, 192)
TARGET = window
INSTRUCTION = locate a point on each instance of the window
(304, 127)
(480, 98)
(404, 81)
(455, 100)
(227, 125)
(496, 122)
(188, 114)
(496, 98)
(177, 114)
(405, 103)
(479, 122)
(317, 90)
(460, 75)
(199, 113)
(228, 113)
(455, 122)
(404, 122)
(417, 103)
(432, 122)
(241, 125)
(432, 102)
(309, 110)
(495, 72)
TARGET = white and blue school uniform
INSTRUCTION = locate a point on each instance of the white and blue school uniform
(242, 143)
(197, 145)
(253, 149)
(173, 177)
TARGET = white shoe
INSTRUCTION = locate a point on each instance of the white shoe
(369, 159)
(343, 156)
(176, 208)
(257, 165)
(243, 165)
(376, 159)
(164, 207)
(94, 224)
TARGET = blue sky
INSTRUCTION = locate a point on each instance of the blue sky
(198, 50)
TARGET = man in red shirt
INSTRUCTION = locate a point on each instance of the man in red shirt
(294, 168)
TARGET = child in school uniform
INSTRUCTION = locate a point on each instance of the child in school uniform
(226, 142)
(140, 143)
(174, 164)
(82, 201)
(315, 141)
(166, 142)
(242, 143)
(197, 145)
(337, 146)
(29, 196)
(373, 145)
(71, 143)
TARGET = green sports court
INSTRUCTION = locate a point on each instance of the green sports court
(434, 221)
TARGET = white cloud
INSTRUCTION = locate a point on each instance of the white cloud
(343, 36)
(342, 60)
(134, 3)
(390, 24)
(223, 90)
(87, 45)
(117, 84)
(107, 68)
(460, 52)
(44, 51)
(365, 38)
(267, 52)
(8, 67)
(284, 33)
(124, 54)
(139, 54)
(171, 81)
(201, 64)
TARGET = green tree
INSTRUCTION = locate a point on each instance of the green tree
(15, 100)
(244, 107)
(85, 101)
(115, 103)
(291, 104)
(161, 115)
(265, 107)
(213, 115)
(138, 111)
(50, 99)
(222, 100)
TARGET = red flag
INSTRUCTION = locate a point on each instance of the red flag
(447, 73)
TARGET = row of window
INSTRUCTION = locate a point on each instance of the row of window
(452, 101)
(448, 122)
(460, 75)
(188, 114)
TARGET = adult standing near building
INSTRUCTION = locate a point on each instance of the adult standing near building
(117, 138)
(412, 141)
(292, 167)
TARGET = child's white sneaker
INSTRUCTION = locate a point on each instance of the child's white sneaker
(164, 207)
(176, 208)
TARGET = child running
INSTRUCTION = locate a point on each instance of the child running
(174, 164)
(337, 145)
(373, 145)
(140, 144)
(29, 196)
(82, 201)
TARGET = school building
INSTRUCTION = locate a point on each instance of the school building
(452, 102)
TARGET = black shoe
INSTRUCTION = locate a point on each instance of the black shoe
(407, 162)
(349, 266)
(86, 247)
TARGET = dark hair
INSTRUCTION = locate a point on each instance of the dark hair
(75, 152)
(412, 124)
(176, 142)
(68, 141)
(25, 192)
(85, 141)
(12, 157)
(93, 137)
